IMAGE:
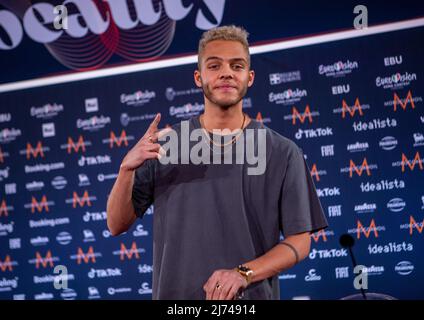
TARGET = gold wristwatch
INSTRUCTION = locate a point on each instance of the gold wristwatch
(246, 272)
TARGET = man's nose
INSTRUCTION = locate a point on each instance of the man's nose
(226, 73)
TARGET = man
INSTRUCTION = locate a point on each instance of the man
(217, 229)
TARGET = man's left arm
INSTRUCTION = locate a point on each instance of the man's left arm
(224, 284)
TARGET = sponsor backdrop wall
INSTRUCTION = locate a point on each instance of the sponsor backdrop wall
(353, 105)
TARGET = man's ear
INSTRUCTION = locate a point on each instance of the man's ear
(251, 78)
(197, 78)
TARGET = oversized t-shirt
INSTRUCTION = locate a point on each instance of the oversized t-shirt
(216, 216)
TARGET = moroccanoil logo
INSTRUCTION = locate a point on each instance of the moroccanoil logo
(118, 141)
(76, 147)
(85, 199)
(315, 173)
(261, 119)
(43, 261)
(302, 117)
(415, 225)
(31, 151)
(367, 231)
(405, 161)
(124, 252)
(359, 169)
(6, 264)
(403, 104)
(39, 205)
(352, 110)
(319, 235)
(3, 209)
(86, 257)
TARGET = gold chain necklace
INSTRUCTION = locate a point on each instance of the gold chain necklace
(234, 139)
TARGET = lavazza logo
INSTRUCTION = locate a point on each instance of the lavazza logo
(287, 97)
(338, 69)
(396, 81)
(138, 98)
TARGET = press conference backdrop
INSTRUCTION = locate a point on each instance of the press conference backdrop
(352, 102)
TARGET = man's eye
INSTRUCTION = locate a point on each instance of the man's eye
(238, 66)
(213, 66)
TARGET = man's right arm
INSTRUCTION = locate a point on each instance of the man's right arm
(120, 209)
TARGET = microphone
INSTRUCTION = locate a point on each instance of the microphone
(347, 241)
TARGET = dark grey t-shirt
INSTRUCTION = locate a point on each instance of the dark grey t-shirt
(209, 216)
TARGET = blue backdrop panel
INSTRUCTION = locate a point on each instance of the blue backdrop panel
(354, 106)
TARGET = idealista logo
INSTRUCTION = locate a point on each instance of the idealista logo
(93, 123)
(367, 231)
(87, 257)
(75, 146)
(374, 124)
(351, 110)
(338, 69)
(288, 96)
(306, 114)
(39, 205)
(315, 173)
(118, 140)
(47, 111)
(391, 247)
(383, 185)
(397, 101)
(396, 81)
(137, 98)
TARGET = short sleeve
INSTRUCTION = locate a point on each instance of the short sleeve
(300, 208)
(143, 187)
